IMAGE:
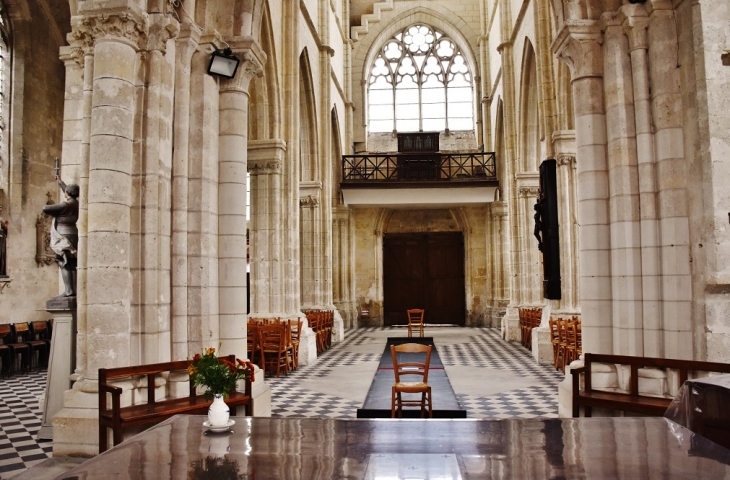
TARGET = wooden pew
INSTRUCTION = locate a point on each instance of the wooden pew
(633, 400)
(118, 418)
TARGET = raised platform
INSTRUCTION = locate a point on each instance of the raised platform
(377, 402)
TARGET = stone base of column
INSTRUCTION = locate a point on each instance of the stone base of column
(76, 425)
(307, 345)
(261, 395)
(565, 392)
(510, 325)
(542, 346)
(348, 312)
(338, 328)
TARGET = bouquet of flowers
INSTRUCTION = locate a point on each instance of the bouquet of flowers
(219, 375)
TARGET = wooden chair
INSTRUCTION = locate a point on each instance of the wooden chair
(5, 358)
(272, 345)
(563, 343)
(365, 308)
(252, 343)
(295, 327)
(40, 333)
(409, 366)
(415, 321)
(571, 348)
(17, 349)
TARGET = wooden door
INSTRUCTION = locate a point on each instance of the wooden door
(424, 270)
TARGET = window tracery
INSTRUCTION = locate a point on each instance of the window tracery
(420, 81)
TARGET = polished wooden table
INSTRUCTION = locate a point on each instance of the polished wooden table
(310, 448)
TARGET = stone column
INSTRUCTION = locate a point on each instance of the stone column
(671, 174)
(266, 230)
(579, 44)
(106, 321)
(187, 42)
(150, 231)
(569, 261)
(343, 283)
(635, 23)
(233, 147)
(625, 241)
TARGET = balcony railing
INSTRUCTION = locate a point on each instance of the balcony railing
(415, 167)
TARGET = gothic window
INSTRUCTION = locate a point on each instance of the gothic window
(420, 81)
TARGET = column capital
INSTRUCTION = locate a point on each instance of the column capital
(265, 157)
(635, 22)
(252, 58)
(128, 26)
(579, 44)
(161, 29)
(499, 208)
(565, 159)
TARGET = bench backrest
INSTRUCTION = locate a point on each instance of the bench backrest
(683, 367)
(151, 370)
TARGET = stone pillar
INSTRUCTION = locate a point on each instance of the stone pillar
(672, 174)
(635, 25)
(625, 227)
(343, 283)
(310, 194)
(569, 271)
(233, 147)
(266, 230)
(150, 230)
(187, 43)
(106, 321)
(579, 44)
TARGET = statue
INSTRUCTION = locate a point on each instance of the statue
(65, 235)
(3, 245)
(538, 223)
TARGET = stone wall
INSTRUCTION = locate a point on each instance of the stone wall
(34, 132)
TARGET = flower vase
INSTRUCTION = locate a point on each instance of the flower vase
(218, 412)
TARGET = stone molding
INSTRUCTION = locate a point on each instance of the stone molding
(527, 192)
(265, 157)
(264, 168)
(564, 159)
(499, 209)
(310, 201)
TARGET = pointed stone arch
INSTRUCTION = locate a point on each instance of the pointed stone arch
(309, 167)
(529, 126)
(264, 91)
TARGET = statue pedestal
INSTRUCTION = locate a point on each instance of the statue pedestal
(61, 361)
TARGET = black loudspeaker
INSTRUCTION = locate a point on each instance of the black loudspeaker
(547, 229)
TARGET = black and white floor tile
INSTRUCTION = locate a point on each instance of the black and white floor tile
(20, 420)
(20, 415)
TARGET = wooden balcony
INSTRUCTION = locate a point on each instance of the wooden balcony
(420, 173)
(418, 167)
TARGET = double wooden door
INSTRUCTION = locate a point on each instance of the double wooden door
(424, 270)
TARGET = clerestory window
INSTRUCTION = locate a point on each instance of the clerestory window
(420, 81)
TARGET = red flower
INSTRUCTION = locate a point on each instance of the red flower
(196, 357)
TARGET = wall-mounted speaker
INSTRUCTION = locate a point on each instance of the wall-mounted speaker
(547, 228)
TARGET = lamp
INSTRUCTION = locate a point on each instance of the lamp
(223, 63)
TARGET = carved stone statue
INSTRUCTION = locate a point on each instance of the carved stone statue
(3, 245)
(65, 235)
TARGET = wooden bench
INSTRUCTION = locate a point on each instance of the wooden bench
(632, 401)
(118, 418)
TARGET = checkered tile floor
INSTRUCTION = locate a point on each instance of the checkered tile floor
(20, 415)
(20, 420)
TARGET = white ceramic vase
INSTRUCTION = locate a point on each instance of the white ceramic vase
(218, 412)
